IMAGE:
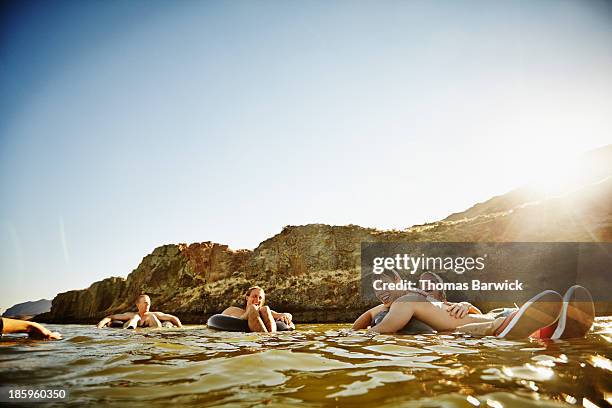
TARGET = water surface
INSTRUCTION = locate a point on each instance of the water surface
(318, 365)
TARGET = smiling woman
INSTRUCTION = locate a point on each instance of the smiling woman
(253, 317)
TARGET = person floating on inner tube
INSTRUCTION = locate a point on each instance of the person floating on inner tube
(260, 318)
(456, 310)
(142, 318)
(546, 316)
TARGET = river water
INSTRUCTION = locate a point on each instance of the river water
(318, 365)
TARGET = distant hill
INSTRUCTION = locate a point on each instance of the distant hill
(595, 166)
(28, 308)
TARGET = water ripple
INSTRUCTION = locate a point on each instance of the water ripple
(314, 366)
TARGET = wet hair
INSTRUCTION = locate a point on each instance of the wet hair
(432, 276)
(252, 288)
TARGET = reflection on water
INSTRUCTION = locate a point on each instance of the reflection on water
(319, 365)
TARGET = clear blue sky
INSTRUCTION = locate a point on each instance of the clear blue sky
(128, 125)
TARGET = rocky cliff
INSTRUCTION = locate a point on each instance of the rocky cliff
(313, 270)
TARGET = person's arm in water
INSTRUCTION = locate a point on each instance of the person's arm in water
(366, 319)
(34, 330)
(122, 316)
(363, 322)
(169, 318)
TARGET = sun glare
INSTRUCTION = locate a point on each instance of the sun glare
(559, 175)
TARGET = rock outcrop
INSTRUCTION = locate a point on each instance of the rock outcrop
(314, 270)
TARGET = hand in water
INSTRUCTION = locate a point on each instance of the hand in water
(41, 333)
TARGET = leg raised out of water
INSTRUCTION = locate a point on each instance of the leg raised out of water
(255, 322)
(415, 305)
(481, 329)
(266, 316)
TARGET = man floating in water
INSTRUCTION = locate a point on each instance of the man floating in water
(142, 318)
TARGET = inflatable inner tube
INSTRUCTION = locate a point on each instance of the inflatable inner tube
(233, 324)
(414, 326)
(116, 323)
(119, 324)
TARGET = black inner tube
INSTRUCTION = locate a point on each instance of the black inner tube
(230, 323)
(119, 324)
